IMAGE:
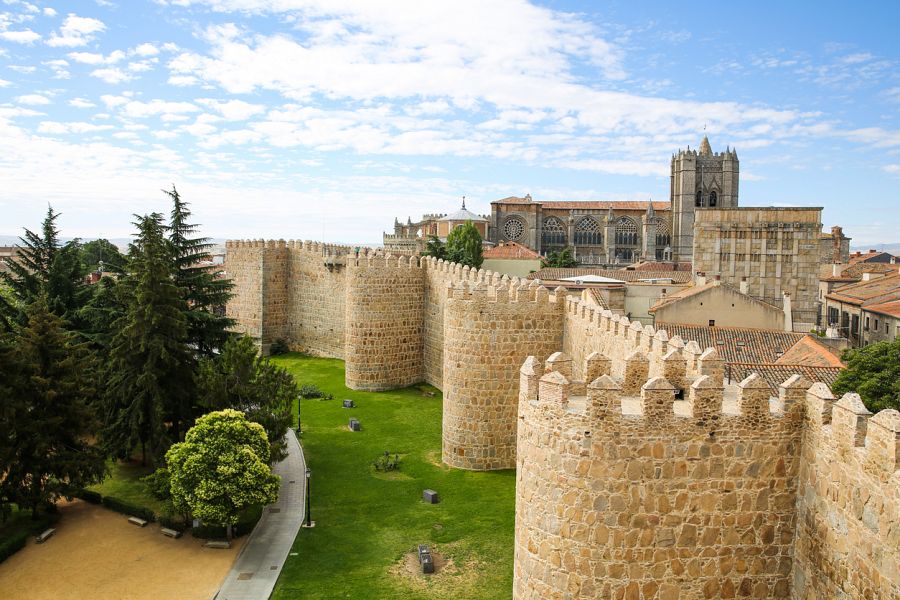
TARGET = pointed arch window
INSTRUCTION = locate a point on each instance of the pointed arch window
(553, 233)
(713, 199)
(699, 199)
(627, 232)
(588, 232)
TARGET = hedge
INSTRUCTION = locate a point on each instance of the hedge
(248, 520)
(90, 496)
(12, 544)
(125, 508)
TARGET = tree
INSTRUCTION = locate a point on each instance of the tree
(872, 372)
(464, 246)
(241, 379)
(150, 372)
(206, 293)
(562, 259)
(96, 251)
(100, 314)
(435, 247)
(45, 267)
(221, 468)
(48, 412)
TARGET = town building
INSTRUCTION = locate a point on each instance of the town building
(410, 238)
(861, 311)
(511, 258)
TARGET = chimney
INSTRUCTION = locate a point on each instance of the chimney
(872, 250)
(837, 234)
(745, 286)
(836, 270)
(700, 279)
(788, 313)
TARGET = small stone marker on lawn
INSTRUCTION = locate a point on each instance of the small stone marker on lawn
(217, 544)
(354, 425)
(172, 533)
(349, 404)
(430, 496)
(425, 559)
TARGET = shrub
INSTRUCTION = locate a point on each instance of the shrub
(311, 391)
(12, 544)
(176, 523)
(125, 508)
(90, 496)
(386, 462)
(245, 525)
(158, 482)
(279, 346)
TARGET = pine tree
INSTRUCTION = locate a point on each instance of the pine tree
(241, 379)
(48, 383)
(150, 372)
(45, 267)
(205, 291)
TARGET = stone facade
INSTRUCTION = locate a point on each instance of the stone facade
(773, 251)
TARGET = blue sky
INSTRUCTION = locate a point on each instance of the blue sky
(327, 118)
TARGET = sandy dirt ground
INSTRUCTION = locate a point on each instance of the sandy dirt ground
(96, 554)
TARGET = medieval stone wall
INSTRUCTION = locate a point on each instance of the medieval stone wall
(489, 329)
(847, 543)
(317, 294)
(244, 265)
(437, 274)
(385, 303)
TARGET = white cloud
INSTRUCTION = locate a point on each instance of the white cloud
(76, 31)
(4, 83)
(25, 69)
(112, 75)
(136, 109)
(25, 36)
(54, 127)
(233, 110)
(892, 169)
(183, 80)
(145, 49)
(59, 68)
(94, 58)
(33, 99)
(141, 66)
(49, 12)
(81, 103)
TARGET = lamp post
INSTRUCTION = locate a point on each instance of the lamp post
(308, 520)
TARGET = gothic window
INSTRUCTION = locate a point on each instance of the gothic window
(588, 233)
(713, 198)
(627, 232)
(663, 237)
(699, 200)
(514, 228)
(553, 233)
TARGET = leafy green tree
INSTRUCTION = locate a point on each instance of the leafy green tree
(96, 251)
(562, 259)
(435, 247)
(48, 412)
(464, 246)
(241, 379)
(872, 372)
(221, 468)
(150, 369)
(205, 291)
(45, 267)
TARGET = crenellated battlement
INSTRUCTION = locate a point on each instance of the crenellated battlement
(640, 482)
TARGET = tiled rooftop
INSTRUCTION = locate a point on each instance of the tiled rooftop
(876, 291)
(511, 250)
(558, 274)
(737, 344)
(891, 308)
(775, 375)
(588, 204)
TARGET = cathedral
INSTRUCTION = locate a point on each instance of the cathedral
(600, 233)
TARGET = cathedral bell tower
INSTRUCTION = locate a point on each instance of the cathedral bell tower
(699, 179)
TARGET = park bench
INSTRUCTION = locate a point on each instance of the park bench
(217, 544)
(172, 533)
(137, 521)
(43, 537)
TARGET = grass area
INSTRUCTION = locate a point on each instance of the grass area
(124, 482)
(367, 521)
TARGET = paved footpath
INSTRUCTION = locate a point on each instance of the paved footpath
(256, 569)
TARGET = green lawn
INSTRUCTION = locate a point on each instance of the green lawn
(124, 482)
(368, 521)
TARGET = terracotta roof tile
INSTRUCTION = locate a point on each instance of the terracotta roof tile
(588, 204)
(659, 266)
(737, 344)
(891, 308)
(857, 257)
(511, 250)
(876, 291)
(775, 375)
(808, 351)
(699, 289)
(558, 274)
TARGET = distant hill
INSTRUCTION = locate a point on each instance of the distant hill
(892, 248)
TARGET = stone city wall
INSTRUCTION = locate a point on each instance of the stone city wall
(385, 302)
(317, 298)
(489, 329)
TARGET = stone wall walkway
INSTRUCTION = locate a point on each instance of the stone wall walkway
(256, 569)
